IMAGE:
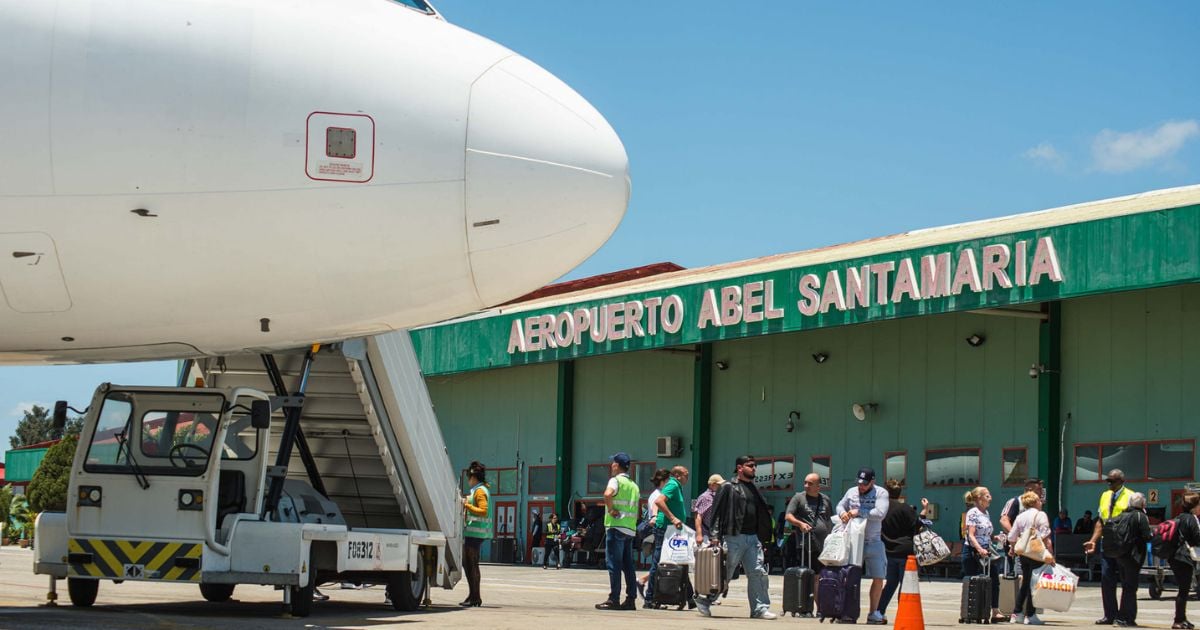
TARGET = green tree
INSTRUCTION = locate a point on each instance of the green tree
(20, 518)
(38, 426)
(6, 497)
(48, 489)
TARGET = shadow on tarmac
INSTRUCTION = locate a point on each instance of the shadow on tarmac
(232, 614)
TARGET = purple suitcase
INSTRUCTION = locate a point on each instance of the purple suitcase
(838, 594)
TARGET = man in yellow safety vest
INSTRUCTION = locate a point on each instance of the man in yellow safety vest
(620, 520)
(1113, 502)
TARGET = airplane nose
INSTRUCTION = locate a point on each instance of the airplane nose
(547, 179)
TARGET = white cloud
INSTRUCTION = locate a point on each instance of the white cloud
(1119, 152)
(1044, 153)
(19, 410)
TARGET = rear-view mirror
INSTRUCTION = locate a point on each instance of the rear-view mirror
(59, 419)
(260, 414)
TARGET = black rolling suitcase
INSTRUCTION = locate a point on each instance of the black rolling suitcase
(798, 584)
(670, 585)
(977, 597)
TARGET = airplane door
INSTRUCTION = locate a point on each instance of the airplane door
(30, 276)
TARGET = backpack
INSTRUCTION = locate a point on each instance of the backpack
(1118, 535)
(1164, 543)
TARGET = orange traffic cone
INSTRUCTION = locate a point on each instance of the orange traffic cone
(909, 615)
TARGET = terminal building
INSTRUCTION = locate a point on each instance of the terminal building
(1055, 344)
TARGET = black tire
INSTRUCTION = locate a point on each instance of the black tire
(216, 592)
(302, 598)
(82, 591)
(404, 591)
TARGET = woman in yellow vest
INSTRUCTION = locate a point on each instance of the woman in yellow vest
(477, 527)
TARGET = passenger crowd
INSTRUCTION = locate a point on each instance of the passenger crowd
(734, 515)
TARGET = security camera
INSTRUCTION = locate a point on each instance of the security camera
(1033, 371)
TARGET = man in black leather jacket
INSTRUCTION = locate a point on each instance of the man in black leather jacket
(741, 521)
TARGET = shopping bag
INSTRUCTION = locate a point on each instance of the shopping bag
(929, 548)
(1054, 587)
(856, 534)
(679, 546)
(836, 551)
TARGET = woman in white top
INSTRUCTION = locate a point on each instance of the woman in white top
(1032, 517)
(977, 549)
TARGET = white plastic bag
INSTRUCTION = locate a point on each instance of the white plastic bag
(1054, 587)
(679, 546)
(836, 551)
(856, 535)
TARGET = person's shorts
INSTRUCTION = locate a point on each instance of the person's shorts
(874, 560)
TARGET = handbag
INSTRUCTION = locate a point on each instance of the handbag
(1193, 552)
(929, 548)
(1029, 544)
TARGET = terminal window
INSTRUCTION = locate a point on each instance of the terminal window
(597, 479)
(823, 466)
(895, 466)
(1140, 461)
(1015, 462)
(642, 473)
(541, 480)
(775, 473)
(952, 467)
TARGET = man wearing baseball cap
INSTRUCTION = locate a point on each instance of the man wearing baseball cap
(620, 520)
(868, 501)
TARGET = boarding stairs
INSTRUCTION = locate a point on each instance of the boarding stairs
(372, 437)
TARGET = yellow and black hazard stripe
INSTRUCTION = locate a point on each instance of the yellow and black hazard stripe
(134, 559)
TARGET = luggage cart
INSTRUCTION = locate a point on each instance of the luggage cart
(1157, 570)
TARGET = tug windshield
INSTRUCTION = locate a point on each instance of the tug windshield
(155, 433)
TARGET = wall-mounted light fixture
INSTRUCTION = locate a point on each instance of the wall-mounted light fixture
(976, 340)
(793, 418)
(821, 357)
(1037, 369)
(860, 410)
(722, 365)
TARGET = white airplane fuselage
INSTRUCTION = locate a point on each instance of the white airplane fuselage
(203, 176)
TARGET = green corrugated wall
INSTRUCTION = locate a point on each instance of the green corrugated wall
(1131, 371)
(932, 388)
(20, 465)
(623, 402)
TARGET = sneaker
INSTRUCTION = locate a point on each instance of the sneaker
(766, 614)
(1018, 618)
(702, 607)
(876, 618)
(608, 604)
(1032, 620)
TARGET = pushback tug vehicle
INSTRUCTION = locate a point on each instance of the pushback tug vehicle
(175, 484)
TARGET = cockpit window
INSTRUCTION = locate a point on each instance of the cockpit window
(419, 5)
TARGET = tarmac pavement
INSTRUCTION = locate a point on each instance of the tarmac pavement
(515, 597)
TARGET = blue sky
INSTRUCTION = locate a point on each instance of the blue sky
(760, 128)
